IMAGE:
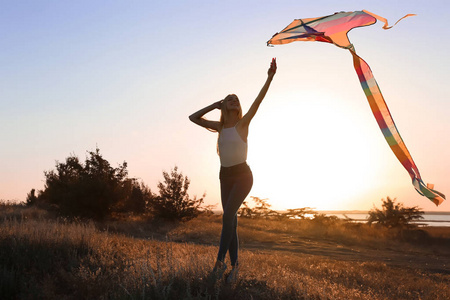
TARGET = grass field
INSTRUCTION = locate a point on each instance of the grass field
(44, 257)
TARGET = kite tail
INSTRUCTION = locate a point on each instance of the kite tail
(384, 20)
(427, 191)
(389, 130)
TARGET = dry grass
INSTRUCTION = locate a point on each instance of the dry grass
(438, 232)
(339, 231)
(43, 258)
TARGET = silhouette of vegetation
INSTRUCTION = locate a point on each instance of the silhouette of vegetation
(137, 197)
(93, 189)
(96, 190)
(326, 220)
(173, 201)
(394, 215)
(31, 198)
(262, 209)
(299, 213)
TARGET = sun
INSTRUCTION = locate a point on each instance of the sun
(316, 154)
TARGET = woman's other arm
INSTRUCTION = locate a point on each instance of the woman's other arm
(198, 119)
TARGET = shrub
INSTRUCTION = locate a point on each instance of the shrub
(173, 202)
(394, 215)
(137, 197)
(92, 189)
(31, 197)
(324, 219)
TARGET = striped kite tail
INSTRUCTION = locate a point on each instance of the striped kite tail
(389, 130)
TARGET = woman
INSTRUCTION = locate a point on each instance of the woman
(236, 178)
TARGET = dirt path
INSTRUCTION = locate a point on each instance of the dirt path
(431, 262)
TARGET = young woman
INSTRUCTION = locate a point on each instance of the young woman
(236, 178)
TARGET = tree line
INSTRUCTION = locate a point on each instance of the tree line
(391, 215)
(96, 190)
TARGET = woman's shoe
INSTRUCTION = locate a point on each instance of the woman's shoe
(232, 277)
(219, 269)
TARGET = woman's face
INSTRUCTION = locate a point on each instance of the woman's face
(232, 102)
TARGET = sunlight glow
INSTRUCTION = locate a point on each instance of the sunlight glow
(315, 150)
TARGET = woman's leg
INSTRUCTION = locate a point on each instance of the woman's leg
(235, 192)
(234, 245)
(226, 185)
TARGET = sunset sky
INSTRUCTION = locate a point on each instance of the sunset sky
(124, 76)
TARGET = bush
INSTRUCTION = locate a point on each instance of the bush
(325, 220)
(394, 215)
(137, 197)
(93, 189)
(31, 197)
(173, 202)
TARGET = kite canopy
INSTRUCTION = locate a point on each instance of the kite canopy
(330, 29)
(334, 29)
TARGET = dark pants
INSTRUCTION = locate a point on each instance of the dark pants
(235, 184)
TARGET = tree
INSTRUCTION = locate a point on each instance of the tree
(173, 202)
(299, 213)
(90, 190)
(261, 209)
(394, 214)
(245, 211)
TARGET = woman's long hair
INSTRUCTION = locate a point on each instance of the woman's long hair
(224, 115)
(224, 110)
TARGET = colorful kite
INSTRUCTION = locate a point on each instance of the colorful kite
(334, 29)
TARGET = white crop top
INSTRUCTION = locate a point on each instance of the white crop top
(232, 149)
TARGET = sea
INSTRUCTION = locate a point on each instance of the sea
(438, 219)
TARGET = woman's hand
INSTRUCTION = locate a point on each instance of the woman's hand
(218, 104)
(273, 68)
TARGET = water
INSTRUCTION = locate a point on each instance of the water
(429, 218)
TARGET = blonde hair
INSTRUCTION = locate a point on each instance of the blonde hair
(224, 114)
(224, 110)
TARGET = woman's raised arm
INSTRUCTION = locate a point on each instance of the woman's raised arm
(254, 108)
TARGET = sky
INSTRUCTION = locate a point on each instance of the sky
(124, 76)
